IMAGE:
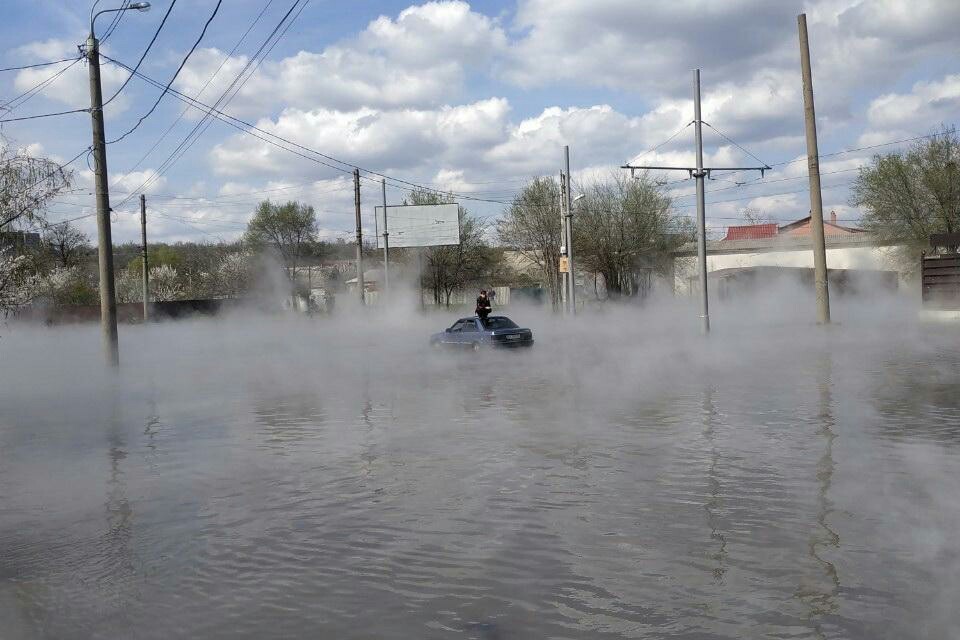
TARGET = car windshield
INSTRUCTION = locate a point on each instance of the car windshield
(499, 322)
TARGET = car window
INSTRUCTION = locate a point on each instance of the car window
(470, 325)
(500, 322)
(457, 326)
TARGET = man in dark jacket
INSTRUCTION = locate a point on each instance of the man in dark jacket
(483, 306)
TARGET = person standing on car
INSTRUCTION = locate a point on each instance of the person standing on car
(483, 306)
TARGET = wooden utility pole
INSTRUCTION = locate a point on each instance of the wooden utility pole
(146, 264)
(356, 199)
(813, 170)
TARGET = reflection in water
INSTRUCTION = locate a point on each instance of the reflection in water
(715, 502)
(820, 600)
(117, 544)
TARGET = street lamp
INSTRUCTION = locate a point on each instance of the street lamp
(108, 297)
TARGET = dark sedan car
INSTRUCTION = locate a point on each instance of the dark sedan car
(474, 333)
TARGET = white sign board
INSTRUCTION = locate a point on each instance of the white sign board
(427, 225)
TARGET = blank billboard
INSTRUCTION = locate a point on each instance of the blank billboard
(415, 225)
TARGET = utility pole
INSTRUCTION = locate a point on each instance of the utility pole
(356, 200)
(146, 265)
(813, 170)
(386, 243)
(108, 298)
(568, 232)
(700, 174)
(564, 244)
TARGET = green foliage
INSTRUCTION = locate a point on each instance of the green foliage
(909, 196)
(286, 230)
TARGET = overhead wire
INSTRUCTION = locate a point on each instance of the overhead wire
(145, 52)
(174, 77)
(202, 89)
(173, 157)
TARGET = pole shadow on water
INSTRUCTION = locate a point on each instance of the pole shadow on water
(714, 503)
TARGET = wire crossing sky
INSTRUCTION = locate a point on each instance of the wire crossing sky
(278, 98)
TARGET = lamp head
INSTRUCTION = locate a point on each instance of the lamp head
(139, 6)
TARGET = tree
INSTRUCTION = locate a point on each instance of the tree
(531, 227)
(455, 267)
(66, 243)
(285, 230)
(27, 184)
(624, 231)
(907, 197)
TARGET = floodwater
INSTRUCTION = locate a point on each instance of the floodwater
(270, 478)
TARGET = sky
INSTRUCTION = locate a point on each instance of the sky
(474, 98)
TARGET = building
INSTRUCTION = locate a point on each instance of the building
(853, 255)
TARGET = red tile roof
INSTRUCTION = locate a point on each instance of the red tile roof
(752, 231)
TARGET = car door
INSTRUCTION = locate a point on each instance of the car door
(455, 335)
(470, 333)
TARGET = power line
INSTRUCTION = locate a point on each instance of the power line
(734, 143)
(232, 90)
(145, 52)
(184, 144)
(665, 142)
(38, 64)
(10, 105)
(44, 115)
(167, 88)
(115, 22)
(202, 89)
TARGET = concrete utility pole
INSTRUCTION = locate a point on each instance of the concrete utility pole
(564, 243)
(146, 265)
(386, 242)
(700, 174)
(356, 200)
(108, 298)
(568, 232)
(813, 170)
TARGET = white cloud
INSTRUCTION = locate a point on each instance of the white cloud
(418, 60)
(927, 104)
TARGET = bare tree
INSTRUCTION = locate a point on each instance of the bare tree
(625, 231)
(531, 227)
(455, 267)
(66, 243)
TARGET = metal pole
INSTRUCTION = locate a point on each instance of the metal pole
(420, 277)
(108, 298)
(386, 242)
(568, 232)
(813, 170)
(699, 174)
(146, 264)
(564, 244)
(356, 201)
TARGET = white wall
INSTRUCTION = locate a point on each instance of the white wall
(875, 258)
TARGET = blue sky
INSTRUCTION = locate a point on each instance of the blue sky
(477, 97)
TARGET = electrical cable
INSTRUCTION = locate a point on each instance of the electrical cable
(202, 89)
(167, 88)
(145, 52)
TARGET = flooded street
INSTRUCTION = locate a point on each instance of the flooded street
(284, 478)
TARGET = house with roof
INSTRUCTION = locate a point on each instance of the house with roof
(750, 255)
